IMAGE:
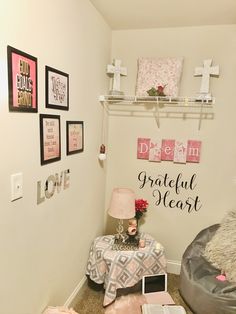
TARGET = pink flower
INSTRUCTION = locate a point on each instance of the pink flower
(160, 88)
(140, 208)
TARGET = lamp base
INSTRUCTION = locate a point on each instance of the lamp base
(124, 242)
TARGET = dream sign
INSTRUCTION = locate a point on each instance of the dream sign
(168, 150)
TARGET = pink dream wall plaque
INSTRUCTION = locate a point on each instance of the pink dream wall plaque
(169, 150)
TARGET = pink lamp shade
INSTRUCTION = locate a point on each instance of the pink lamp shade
(122, 205)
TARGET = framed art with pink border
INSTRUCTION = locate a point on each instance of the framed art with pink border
(50, 138)
(22, 81)
(74, 137)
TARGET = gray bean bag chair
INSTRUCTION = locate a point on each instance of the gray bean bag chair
(199, 287)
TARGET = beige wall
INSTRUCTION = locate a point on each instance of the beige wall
(44, 248)
(216, 171)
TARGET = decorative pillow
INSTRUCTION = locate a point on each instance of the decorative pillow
(153, 72)
(220, 251)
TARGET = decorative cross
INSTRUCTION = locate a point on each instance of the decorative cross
(116, 70)
(206, 71)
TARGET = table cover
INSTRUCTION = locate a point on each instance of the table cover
(123, 269)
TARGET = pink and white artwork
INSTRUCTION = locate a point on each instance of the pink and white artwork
(159, 71)
(180, 153)
(168, 147)
(143, 148)
(155, 150)
(22, 71)
(177, 151)
(193, 151)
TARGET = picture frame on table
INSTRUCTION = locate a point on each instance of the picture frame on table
(50, 138)
(74, 137)
(22, 81)
(57, 89)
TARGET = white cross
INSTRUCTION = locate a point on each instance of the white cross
(206, 71)
(116, 70)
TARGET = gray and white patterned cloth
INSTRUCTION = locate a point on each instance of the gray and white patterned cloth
(123, 269)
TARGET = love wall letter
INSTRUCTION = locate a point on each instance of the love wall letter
(53, 183)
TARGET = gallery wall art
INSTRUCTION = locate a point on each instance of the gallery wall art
(22, 81)
(74, 137)
(57, 89)
(50, 138)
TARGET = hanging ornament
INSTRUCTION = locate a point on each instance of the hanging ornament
(102, 154)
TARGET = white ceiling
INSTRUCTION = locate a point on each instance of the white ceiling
(138, 14)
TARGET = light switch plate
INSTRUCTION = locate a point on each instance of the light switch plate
(16, 186)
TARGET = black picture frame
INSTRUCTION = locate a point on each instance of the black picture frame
(22, 81)
(50, 138)
(74, 137)
(56, 89)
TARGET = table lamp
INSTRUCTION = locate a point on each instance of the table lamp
(122, 206)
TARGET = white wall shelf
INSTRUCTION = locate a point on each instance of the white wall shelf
(159, 107)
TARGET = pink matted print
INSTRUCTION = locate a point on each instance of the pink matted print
(22, 72)
(143, 148)
(75, 136)
(180, 153)
(194, 151)
(168, 147)
(155, 150)
(50, 138)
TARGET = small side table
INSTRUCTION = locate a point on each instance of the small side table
(123, 269)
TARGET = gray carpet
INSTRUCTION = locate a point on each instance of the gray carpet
(90, 298)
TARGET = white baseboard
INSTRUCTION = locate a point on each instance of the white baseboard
(69, 302)
(173, 267)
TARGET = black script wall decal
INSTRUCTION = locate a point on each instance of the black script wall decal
(167, 190)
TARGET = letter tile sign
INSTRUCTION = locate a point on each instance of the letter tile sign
(169, 150)
(143, 148)
(180, 154)
(155, 150)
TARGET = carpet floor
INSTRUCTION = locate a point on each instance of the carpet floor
(90, 298)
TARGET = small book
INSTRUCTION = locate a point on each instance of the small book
(162, 309)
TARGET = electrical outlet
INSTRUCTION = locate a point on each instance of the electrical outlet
(16, 186)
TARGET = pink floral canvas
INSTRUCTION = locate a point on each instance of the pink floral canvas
(180, 154)
(155, 150)
(159, 71)
(143, 148)
(194, 151)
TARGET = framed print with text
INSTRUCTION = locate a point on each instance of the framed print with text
(74, 137)
(22, 81)
(57, 89)
(50, 138)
